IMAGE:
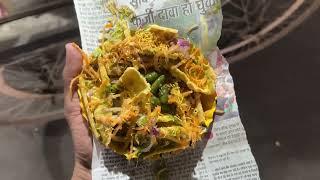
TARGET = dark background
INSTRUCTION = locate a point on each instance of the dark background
(278, 96)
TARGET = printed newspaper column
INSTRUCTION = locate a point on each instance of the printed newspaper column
(91, 18)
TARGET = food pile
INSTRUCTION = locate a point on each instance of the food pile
(146, 92)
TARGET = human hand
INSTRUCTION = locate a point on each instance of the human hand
(82, 142)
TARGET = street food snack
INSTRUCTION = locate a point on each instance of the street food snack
(146, 92)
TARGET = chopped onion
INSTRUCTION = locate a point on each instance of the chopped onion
(115, 96)
(114, 109)
(147, 149)
(90, 93)
(183, 43)
(155, 131)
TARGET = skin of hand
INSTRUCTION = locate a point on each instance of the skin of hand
(82, 139)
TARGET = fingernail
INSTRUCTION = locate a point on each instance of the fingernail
(69, 51)
(68, 46)
(73, 56)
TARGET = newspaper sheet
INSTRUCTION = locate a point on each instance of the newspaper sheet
(224, 154)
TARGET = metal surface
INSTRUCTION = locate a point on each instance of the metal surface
(31, 61)
(38, 9)
(254, 25)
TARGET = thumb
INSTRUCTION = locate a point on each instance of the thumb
(73, 65)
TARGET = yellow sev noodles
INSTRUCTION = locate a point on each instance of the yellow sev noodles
(121, 103)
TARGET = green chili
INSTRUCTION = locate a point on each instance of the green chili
(155, 101)
(165, 108)
(164, 93)
(151, 77)
(142, 121)
(157, 84)
(113, 88)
